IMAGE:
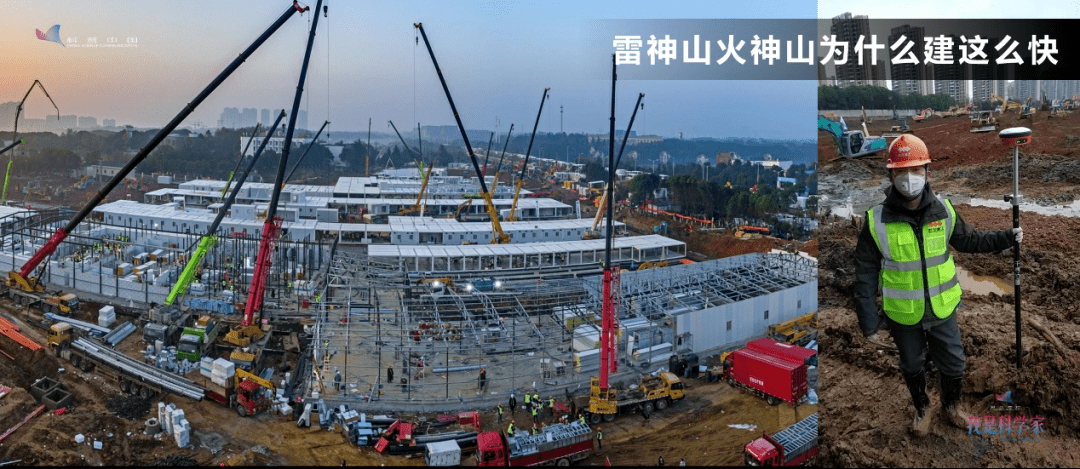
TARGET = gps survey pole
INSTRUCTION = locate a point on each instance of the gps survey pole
(1015, 137)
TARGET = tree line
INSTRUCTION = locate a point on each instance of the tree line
(875, 97)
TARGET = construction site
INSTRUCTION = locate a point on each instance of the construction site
(374, 321)
(868, 410)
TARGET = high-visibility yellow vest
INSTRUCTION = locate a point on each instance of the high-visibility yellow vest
(904, 267)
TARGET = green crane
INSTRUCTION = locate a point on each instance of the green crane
(207, 242)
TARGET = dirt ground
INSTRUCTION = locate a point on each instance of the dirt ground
(695, 429)
(865, 404)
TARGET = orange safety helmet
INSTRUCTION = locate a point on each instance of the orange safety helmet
(907, 151)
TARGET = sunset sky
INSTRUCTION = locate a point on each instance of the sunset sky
(496, 55)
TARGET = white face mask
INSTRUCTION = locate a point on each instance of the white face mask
(910, 185)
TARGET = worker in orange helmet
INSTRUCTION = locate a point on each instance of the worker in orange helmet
(903, 248)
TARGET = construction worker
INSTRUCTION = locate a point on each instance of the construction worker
(513, 404)
(903, 248)
(483, 379)
(337, 380)
(510, 429)
(390, 374)
(551, 406)
(527, 398)
(581, 418)
(535, 430)
(599, 438)
(535, 416)
(500, 412)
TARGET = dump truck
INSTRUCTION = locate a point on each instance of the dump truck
(775, 379)
(560, 443)
(793, 446)
(195, 340)
(652, 393)
(133, 376)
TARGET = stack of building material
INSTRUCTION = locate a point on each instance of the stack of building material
(222, 371)
(206, 367)
(106, 316)
(181, 429)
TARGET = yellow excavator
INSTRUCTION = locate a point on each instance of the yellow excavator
(1028, 111)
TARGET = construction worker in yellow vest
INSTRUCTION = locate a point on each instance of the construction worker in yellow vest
(510, 429)
(903, 248)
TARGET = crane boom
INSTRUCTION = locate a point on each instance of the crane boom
(606, 312)
(241, 160)
(498, 167)
(272, 227)
(407, 147)
(15, 130)
(604, 200)
(302, 155)
(13, 145)
(21, 278)
(210, 238)
(500, 237)
(487, 153)
(524, 164)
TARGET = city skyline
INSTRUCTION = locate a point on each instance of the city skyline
(497, 56)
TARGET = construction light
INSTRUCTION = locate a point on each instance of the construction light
(468, 287)
(498, 284)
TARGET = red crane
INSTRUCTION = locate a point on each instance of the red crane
(602, 399)
(272, 227)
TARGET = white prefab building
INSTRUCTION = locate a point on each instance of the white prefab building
(480, 259)
(246, 220)
(720, 303)
(355, 196)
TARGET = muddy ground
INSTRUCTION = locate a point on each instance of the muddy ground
(865, 405)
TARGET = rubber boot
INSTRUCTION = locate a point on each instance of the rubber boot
(922, 421)
(950, 401)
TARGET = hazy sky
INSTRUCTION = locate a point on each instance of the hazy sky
(497, 57)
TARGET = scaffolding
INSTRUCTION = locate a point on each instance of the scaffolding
(140, 263)
(526, 334)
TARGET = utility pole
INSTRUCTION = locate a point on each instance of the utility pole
(560, 119)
